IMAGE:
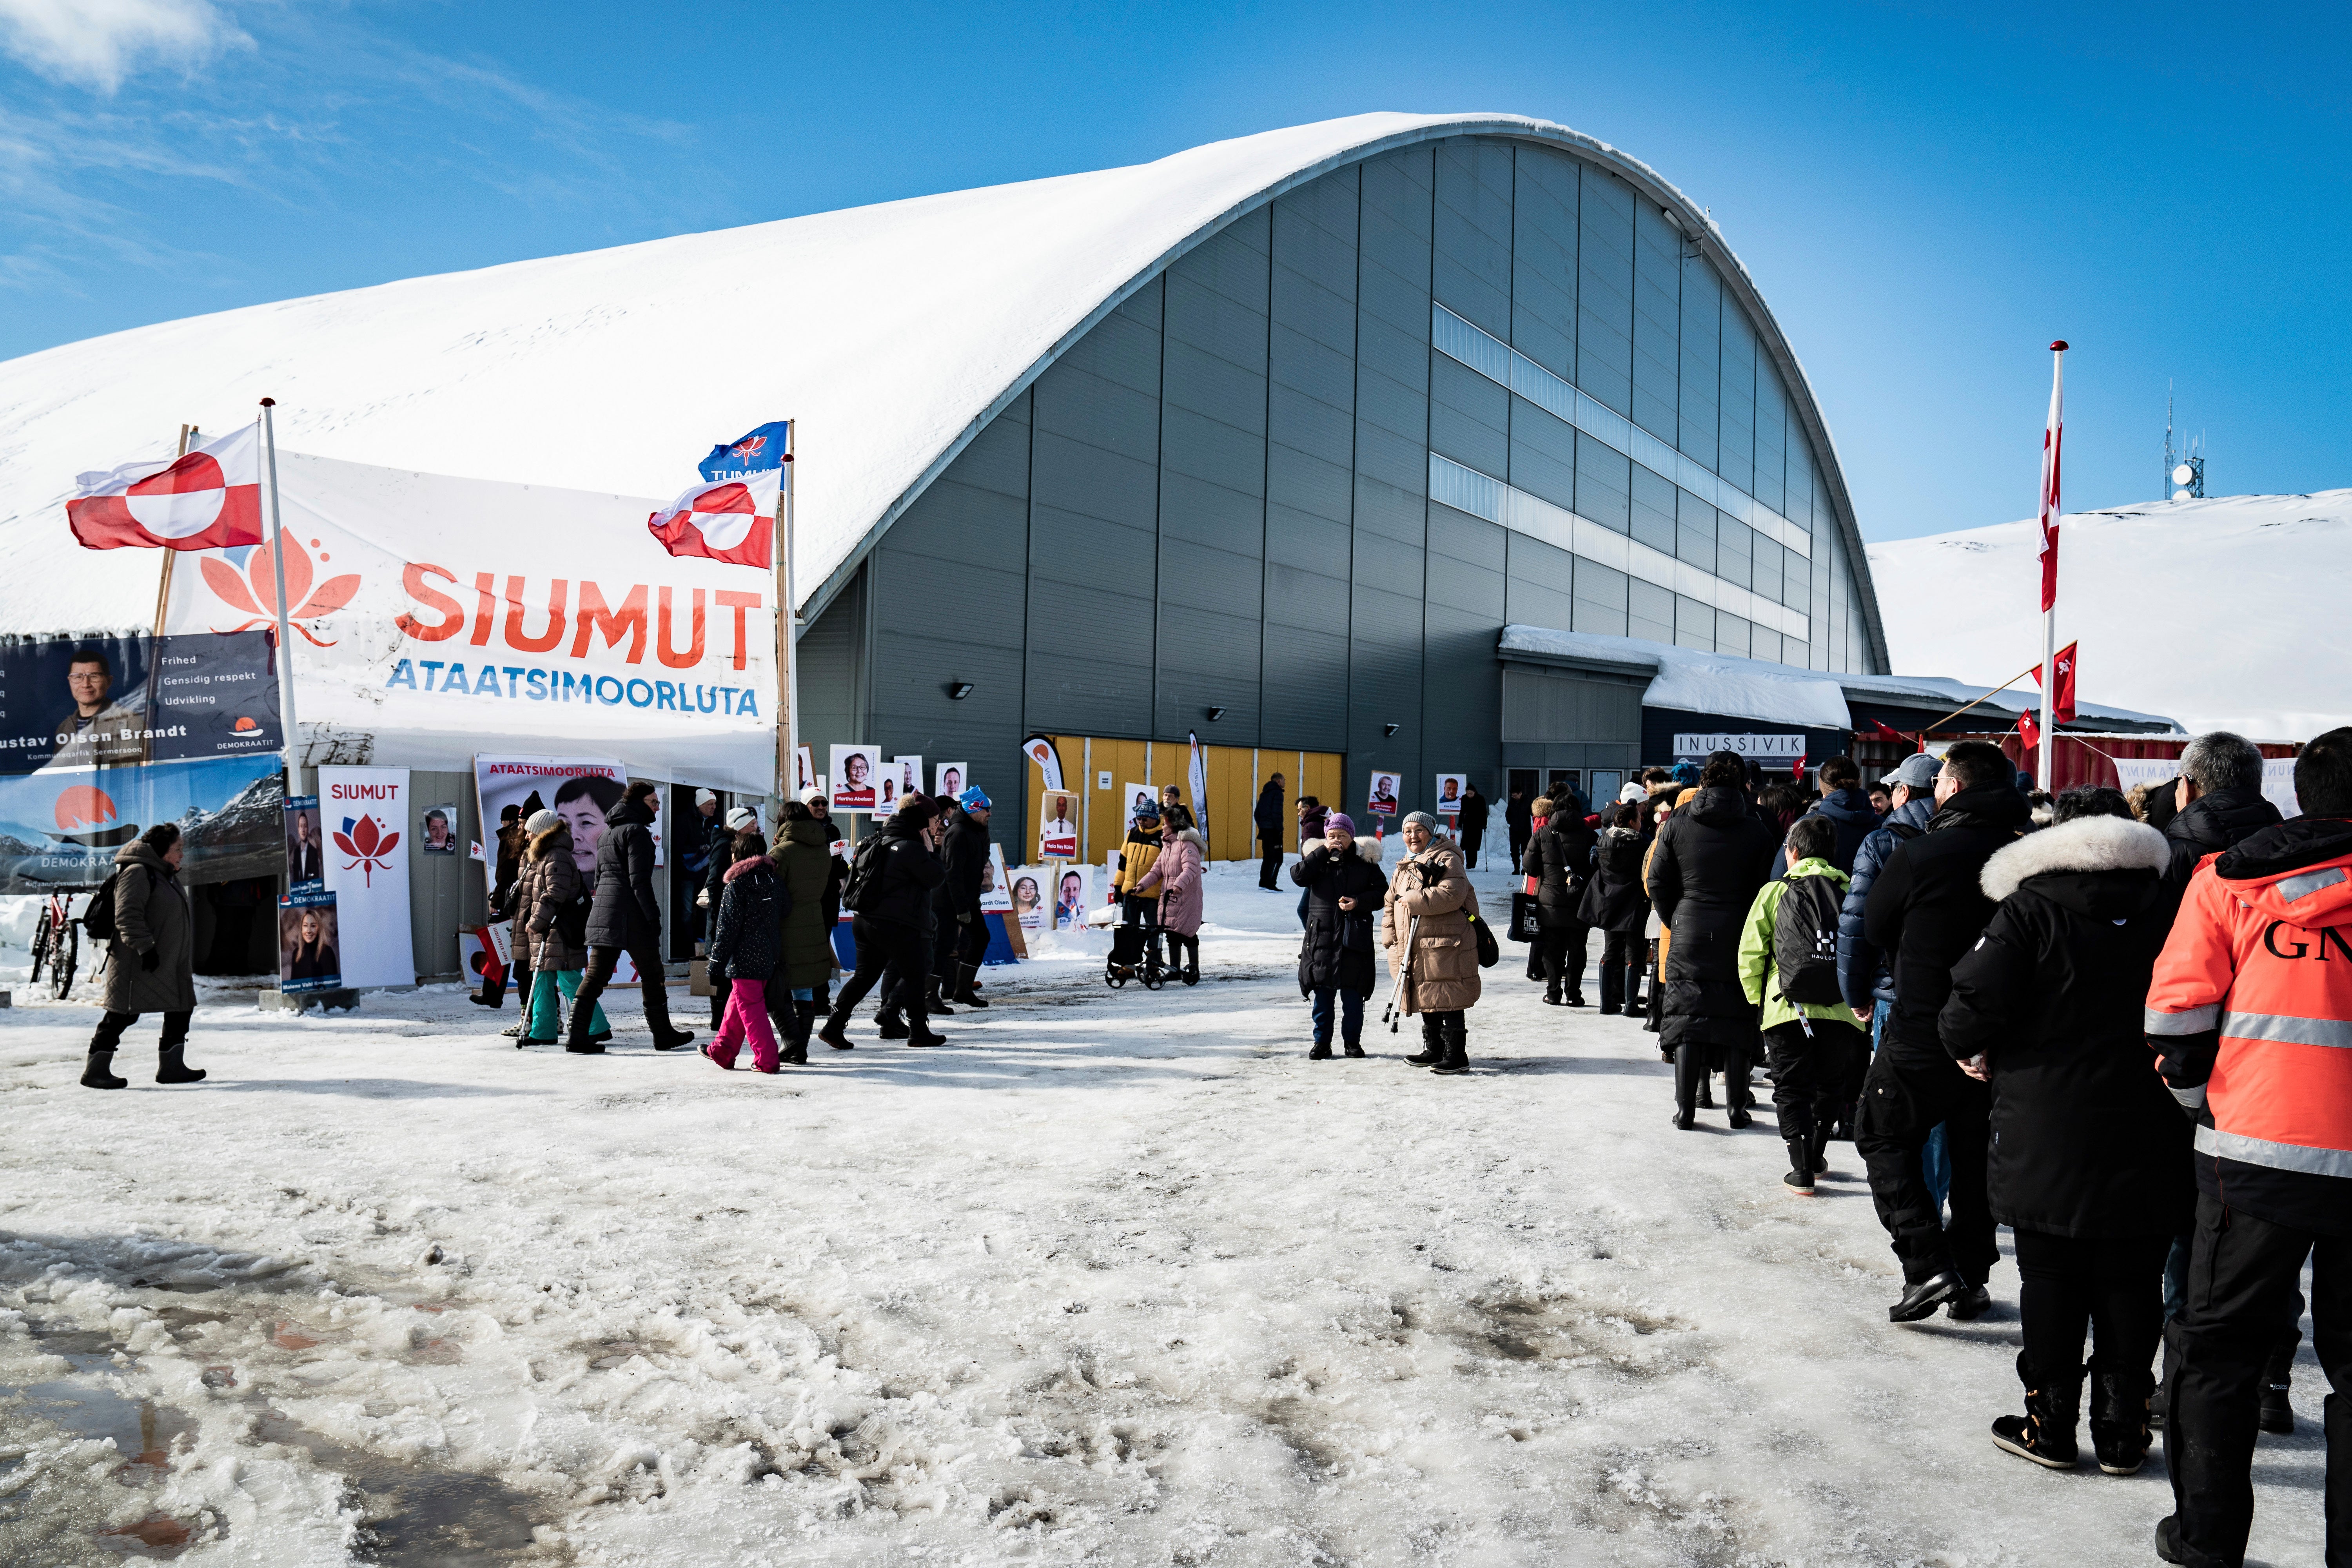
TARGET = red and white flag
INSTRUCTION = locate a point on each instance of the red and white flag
(209, 499)
(2052, 438)
(2028, 729)
(2061, 684)
(734, 520)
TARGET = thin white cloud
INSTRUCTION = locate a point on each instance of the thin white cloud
(99, 43)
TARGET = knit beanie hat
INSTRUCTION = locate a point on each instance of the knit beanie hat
(973, 799)
(743, 816)
(540, 821)
(706, 798)
(1340, 820)
(1421, 818)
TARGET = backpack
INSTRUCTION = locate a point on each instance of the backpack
(863, 894)
(1805, 938)
(97, 920)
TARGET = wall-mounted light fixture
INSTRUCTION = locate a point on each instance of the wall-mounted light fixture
(1215, 714)
(1391, 729)
(958, 689)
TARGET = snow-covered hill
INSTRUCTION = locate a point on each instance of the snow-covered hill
(2225, 612)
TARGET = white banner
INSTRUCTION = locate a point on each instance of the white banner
(364, 813)
(580, 790)
(430, 612)
(2278, 778)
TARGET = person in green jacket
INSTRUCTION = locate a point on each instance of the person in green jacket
(1817, 1049)
(797, 989)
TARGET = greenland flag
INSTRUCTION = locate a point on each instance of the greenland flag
(734, 520)
(209, 499)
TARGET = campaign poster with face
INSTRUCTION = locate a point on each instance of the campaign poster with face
(1137, 796)
(440, 835)
(307, 939)
(1449, 792)
(953, 779)
(804, 774)
(1073, 896)
(995, 884)
(1030, 884)
(909, 771)
(857, 779)
(1385, 789)
(580, 790)
(305, 864)
(1057, 827)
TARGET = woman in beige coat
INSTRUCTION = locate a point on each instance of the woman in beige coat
(1442, 971)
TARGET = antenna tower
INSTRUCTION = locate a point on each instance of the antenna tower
(2184, 473)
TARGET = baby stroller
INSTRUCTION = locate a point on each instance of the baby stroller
(1134, 955)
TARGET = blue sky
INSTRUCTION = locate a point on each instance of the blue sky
(1926, 201)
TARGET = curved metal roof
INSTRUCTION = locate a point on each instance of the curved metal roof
(892, 334)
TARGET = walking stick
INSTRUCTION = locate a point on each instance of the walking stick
(1393, 1013)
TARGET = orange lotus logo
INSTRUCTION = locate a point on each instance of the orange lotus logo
(245, 724)
(369, 843)
(256, 594)
(82, 807)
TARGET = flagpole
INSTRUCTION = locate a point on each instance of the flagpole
(787, 675)
(294, 780)
(2053, 440)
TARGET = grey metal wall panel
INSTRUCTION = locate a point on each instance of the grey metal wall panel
(1605, 483)
(1543, 262)
(1737, 461)
(1543, 455)
(1657, 312)
(1460, 695)
(1604, 289)
(1772, 423)
(1649, 610)
(1654, 510)
(1541, 590)
(831, 651)
(1469, 416)
(1560, 708)
(1471, 540)
(1601, 594)
(1471, 264)
(1303, 669)
(1701, 349)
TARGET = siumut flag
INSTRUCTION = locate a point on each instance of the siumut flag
(733, 520)
(2052, 438)
(209, 499)
(2061, 684)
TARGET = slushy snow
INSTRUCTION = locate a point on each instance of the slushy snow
(1115, 1278)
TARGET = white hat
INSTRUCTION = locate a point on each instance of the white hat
(812, 796)
(706, 798)
(741, 817)
(540, 821)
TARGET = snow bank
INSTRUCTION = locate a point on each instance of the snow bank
(2222, 612)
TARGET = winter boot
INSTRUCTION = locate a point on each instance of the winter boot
(1321, 1051)
(1456, 1030)
(890, 1024)
(2277, 1412)
(834, 1032)
(1817, 1147)
(576, 1039)
(2119, 1428)
(939, 998)
(966, 977)
(1921, 1300)
(1432, 1043)
(171, 1065)
(1800, 1179)
(666, 1037)
(1707, 1091)
(918, 1030)
(99, 1072)
(512, 1031)
(797, 1023)
(1351, 1047)
(1192, 961)
(2045, 1432)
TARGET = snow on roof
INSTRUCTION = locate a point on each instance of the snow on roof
(1695, 683)
(2226, 610)
(891, 333)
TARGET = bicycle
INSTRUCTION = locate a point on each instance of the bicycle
(57, 944)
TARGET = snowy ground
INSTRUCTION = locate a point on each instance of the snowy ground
(1118, 1278)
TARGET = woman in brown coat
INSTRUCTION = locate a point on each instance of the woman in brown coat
(1430, 897)
(547, 964)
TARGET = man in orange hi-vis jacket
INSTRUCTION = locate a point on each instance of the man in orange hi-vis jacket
(2250, 1013)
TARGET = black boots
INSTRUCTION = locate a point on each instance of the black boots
(799, 1017)
(666, 1037)
(98, 1072)
(1432, 1043)
(965, 975)
(918, 1030)
(1455, 1030)
(2045, 1432)
(1921, 1300)
(2278, 1380)
(834, 1032)
(1800, 1179)
(890, 1024)
(1321, 1052)
(2119, 1425)
(172, 1066)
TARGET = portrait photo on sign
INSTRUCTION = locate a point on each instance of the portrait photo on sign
(439, 835)
(307, 938)
(1029, 885)
(305, 864)
(804, 774)
(1449, 792)
(579, 790)
(1385, 790)
(1057, 825)
(910, 772)
(1137, 796)
(858, 778)
(954, 778)
(1073, 896)
(995, 884)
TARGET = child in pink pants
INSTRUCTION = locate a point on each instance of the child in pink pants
(746, 942)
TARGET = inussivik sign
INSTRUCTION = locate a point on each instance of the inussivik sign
(435, 615)
(1757, 748)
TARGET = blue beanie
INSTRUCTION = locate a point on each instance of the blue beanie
(972, 800)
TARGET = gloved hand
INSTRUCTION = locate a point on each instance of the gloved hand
(963, 917)
(152, 960)
(2184, 1062)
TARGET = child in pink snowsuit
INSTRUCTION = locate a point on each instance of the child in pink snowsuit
(746, 942)
(1177, 873)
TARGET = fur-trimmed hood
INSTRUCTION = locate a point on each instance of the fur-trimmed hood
(2085, 844)
(1190, 836)
(1367, 849)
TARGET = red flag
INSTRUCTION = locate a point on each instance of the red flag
(2052, 437)
(2061, 684)
(208, 499)
(734, 520)
(2028, 729)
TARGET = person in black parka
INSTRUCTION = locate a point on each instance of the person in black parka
(1560, 857)
(625, 918)
(1472, 824)
(1270, 823)
(893, 921)
(1925, 911)
(1341, 875)
(962, 936)
(1614, 901)
(1709, 859)
(2090, 1161)
(2222, 777)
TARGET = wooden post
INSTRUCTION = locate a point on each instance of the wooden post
(787, 615)
(164, 588)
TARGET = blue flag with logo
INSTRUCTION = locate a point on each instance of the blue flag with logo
(762, 450)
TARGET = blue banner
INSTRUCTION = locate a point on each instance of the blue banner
(762, 450)
(308, 943)
(60, 827)
(122, 701)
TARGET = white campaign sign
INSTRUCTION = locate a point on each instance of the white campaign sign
(364, 812)
(431, 613)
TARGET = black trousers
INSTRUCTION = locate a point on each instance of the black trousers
(2242, 1276)
(1564, 948)
(960, 942)
(1694, 1060)
(2111, 1286)
(1623, 956)
(887, 946)
(109, 1036)
(1519, 837)
(1269, 862)
(1815, 1076)
(1142, 909)
(1471, 838)
(1907, 1094)
(651, 983)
